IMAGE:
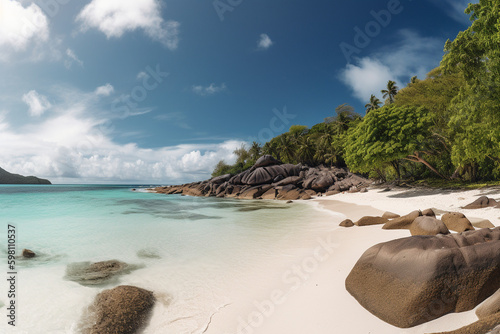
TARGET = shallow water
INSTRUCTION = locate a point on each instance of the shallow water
(188, 250)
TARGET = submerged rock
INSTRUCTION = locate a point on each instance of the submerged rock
(148, 253)
(122, 310)
(410, 281)
(28, 254)
(87, 273)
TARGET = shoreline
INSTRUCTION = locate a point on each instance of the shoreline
(321, 303)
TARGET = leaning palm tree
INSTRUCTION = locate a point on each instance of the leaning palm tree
(373, 105)
(390, 92)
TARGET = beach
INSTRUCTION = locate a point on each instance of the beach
(219, 266)
(320, 303)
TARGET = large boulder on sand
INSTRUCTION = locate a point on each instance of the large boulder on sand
(369, 220)
(410, 281)
(122, 310)
(390, 215)
(457, 222)
(266, 160)
(481, 202)
(429, 213)
(481, 223)
(426, 225)
(489, 306)
(403, 222)
(488, 325)
(346, 223)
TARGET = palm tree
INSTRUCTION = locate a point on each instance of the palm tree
(286, 146)
(255, 150)
(305, 150)
(270, 148)
(373, 105)
(390, 92)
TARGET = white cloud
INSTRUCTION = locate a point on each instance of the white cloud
(209, 90)
(105, 90)
(72, 59)
(37, 103)
(75, 144)
(264, 42)
(368, 77)
(21, 27)
(412, 55)
(115, 17)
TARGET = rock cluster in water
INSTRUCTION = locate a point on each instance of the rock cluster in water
(271, 179)
(87, 273)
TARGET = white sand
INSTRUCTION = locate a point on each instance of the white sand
(313, 278)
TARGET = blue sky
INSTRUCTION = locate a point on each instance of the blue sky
(150, 91)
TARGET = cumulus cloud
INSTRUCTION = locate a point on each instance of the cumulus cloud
(209, 90)
(105, 90)
(116, 17)
(37, 103)
(264, 42)
(411, 55)
(21, 27)
(75, 143)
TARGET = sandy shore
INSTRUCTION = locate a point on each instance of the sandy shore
(311, 297)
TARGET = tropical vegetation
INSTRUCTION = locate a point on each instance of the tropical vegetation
(446, 126)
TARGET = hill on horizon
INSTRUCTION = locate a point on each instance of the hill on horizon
(9, 178)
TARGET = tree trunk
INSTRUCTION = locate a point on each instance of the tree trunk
(416, 158)
(395, 165)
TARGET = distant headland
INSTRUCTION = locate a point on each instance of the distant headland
(9, 178)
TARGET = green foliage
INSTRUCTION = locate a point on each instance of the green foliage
(475, 122)
(475, 52)
(387, 135)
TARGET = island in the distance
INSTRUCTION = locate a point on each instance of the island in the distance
(9, 178)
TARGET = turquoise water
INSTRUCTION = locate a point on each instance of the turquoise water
(199, 246)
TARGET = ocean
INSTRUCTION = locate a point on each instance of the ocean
(195, 254)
